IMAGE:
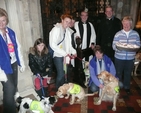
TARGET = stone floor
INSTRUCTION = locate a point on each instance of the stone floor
(127, 103)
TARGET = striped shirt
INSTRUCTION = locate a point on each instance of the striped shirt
(132, 38)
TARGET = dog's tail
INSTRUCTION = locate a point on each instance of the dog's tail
(91, 94)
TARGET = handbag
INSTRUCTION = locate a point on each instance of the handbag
(3, 76)
(40, 82)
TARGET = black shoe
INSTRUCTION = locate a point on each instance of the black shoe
(127, 91)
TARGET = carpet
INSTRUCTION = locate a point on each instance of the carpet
(127, 103)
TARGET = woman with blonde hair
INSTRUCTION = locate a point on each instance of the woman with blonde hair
(10, 59)
(124, 60)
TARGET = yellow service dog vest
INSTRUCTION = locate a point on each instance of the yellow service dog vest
(35, 105)
(75, 89)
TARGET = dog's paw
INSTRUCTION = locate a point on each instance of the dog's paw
(114, 108)
(71, 103)
(97, 101)
(61, 96)
(66, 97)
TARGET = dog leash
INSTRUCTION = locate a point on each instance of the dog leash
(41, 83)
(77, 58)
(80, 59)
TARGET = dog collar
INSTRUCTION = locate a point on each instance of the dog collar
(116, 89)
(75, 89)
(35, 105)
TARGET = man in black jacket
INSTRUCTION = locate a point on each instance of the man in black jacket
(106, 31)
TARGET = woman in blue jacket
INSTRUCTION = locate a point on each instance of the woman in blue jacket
(99, 63)
(10, 59)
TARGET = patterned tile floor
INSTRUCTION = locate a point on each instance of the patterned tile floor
(127, 103)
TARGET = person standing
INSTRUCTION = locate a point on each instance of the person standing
(73, 33)
(100, 62)
(10, 59)
(107, 28)
(86, 31)
(124, 60)
(60, 43)
(40, 63)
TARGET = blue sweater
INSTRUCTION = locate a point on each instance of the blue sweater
(5, 62)
(109, 66)
(133, 38)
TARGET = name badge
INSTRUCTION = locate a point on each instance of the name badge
(10, 47)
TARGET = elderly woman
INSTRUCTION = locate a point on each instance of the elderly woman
(60, 43)
(10, 58)
(124, 60)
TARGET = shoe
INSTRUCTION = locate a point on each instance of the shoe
(127, 91)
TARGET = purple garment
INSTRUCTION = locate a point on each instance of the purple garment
(109, 66)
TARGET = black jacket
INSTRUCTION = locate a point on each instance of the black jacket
(40, 64)
(106, 31)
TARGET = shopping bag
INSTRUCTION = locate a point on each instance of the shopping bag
(3, 76)
(37, 83)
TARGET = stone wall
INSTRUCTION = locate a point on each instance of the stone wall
(25, 20)
(126, 7)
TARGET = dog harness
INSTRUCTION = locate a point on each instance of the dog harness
(116, 89)
(35, 105)
(75, 89)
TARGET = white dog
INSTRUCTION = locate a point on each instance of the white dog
(34, 106)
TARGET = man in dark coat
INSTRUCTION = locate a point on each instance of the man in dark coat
(106, 31)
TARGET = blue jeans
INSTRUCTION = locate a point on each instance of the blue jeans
(9, 90)
(93, 87)
(60, 78)
(123, 71)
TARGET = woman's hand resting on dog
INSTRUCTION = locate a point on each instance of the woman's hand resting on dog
(101, 86)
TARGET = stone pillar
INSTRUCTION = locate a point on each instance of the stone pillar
(25, 20)
(125, 7)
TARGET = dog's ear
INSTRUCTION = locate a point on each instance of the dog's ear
(52, 100)
(19, 99)
(62, 89)
(106, 76)
(111, 78)
(67, 86)
(26, 105)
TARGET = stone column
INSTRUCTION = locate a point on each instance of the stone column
(25, 20)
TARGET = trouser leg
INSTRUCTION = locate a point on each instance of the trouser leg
(60, 78)
(9, 90)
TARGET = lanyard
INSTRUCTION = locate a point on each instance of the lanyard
(5, 38)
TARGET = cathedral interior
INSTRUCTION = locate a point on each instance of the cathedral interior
(35, 18)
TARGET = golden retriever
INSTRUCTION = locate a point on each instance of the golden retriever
(87, 73)
(136, 63)
(110, 91)
(76, 91)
